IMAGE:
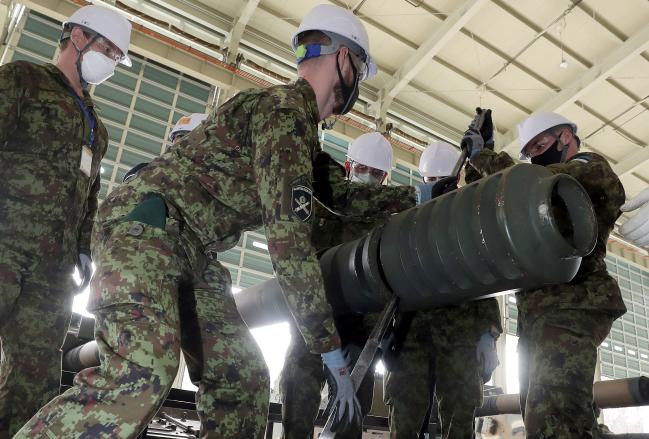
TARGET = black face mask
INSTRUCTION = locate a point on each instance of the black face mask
(551, 155)
(350, 94)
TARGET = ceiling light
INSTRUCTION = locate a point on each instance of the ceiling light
(605, 344)
(101, 170)
(236, 290)
(562, 27)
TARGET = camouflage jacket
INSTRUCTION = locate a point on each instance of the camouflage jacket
(339, 221)
(47, 203)
(592, 288)
(251, 163)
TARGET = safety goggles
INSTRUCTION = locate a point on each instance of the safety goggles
(362, 68)
(539, 144)
(378, 174)
(178, 135)
(108, 49)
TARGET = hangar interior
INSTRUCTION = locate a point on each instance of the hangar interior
(437, 60)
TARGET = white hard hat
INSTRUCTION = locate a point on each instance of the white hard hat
(343, 23)
(538, 123)
(108, 23)
(438, 160)
(373, 150)
(187, 123)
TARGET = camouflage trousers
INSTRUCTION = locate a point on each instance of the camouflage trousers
(557, 354)
(437, 358)
(303, 379)
(35, 309)
(145, 314)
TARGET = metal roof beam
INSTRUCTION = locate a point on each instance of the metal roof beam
(426, 51)
(632, 162)
(240, 23)
(632, 47)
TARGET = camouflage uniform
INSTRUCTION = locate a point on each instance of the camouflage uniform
(47, 207)
(303, 378)
(249, 164)
(560, 327)
(438, 355)
(215, 345)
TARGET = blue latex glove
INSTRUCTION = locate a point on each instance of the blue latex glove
(84, 265)
(423, 192)
(342, 398)
(427, 191)
(487, 355)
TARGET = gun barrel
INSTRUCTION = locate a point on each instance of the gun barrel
(520, 228)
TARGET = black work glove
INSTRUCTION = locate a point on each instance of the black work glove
(479, 135)
(443, 186)
(472, 143)
(487, 129)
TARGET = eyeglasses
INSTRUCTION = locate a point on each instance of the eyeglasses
(538, 146)
(361, 66)
(379, 174)
(109, 49)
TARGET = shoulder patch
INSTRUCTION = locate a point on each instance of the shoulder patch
(302, 201)
(582, 159)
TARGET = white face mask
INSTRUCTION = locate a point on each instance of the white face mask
(363, 178)
(96, 67)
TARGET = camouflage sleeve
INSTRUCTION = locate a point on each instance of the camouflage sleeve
(489, 162)
(376, 201)
(85, 232)
(357, 199)
(11, 92)
(600, 181)
(283, 170)
(371, 201)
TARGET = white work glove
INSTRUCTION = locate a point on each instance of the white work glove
(84, 265)
(342, 398)
(636, 229)
(487, 355)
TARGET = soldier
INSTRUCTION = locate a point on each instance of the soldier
(447, 353)
(369, 159)
(54, 141)
(252, 162)
(210, 309)
(560, 327)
